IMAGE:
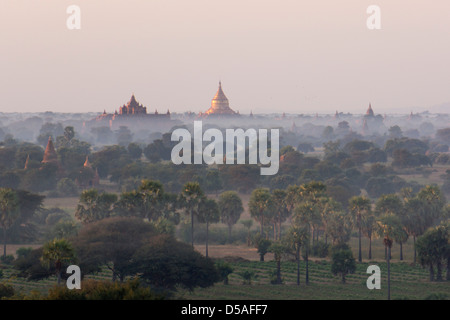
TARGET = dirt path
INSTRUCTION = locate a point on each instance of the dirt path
(221, 251)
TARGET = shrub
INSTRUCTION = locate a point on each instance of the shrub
(224, 269)
(8, 259)
(6, 290)
(248, 276)
(23, 252)
(437, 296)
(105, 290)
(273, 277)
(320, 249)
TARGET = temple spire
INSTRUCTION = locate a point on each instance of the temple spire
(50, 153)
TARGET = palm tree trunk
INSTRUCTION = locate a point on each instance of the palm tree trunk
(431, 272)
(262, 225)
(278, 271)
(448, 268)
(307, 271)
(192, 228)
(414, 241)
(401, 251)
(298, 265)
(4, 242)
(359, 244)
(207, 227)
(370, 248)
(389, 272)
(274, 231)
(279, 229)
(439, 271)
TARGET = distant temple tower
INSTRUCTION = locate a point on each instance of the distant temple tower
(27, 162)
(92, 179)
(220, 104)
(87, 164)
(132, 107)
(369, 112)
(50, 155)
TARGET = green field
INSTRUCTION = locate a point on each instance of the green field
(407, 282)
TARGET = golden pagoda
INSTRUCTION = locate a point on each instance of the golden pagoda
(220, 104)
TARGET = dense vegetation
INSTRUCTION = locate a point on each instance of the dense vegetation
(142, 223)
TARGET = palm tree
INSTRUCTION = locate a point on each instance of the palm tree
(297, 237)
(368, 227)
(278, 249)
(305, 214)
(358, 206)
(247, 224)
(59, 252)
(328, 207)
(9, 211)
(191, 196)
(389, 204)
(152, 197)
(281, 211)
(208, 212)
(260, 205)
(230, 207)
(388, 226)
(414, 217)
(94, 206)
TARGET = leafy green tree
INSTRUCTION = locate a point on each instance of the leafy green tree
(124, 136)
(433, 248)
(434, 200)
(343, 262)
(59, 252)
(112, 242)
(339, 227)
(208, 212)
(24, 227)
(358, 206)
(134, 150)
(213, 181)
(167, 263)
(9, 211)
(67, 187)
(230, 208)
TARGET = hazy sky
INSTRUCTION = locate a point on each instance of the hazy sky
(271, 56)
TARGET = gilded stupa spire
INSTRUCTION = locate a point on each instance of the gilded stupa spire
(220, 104)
